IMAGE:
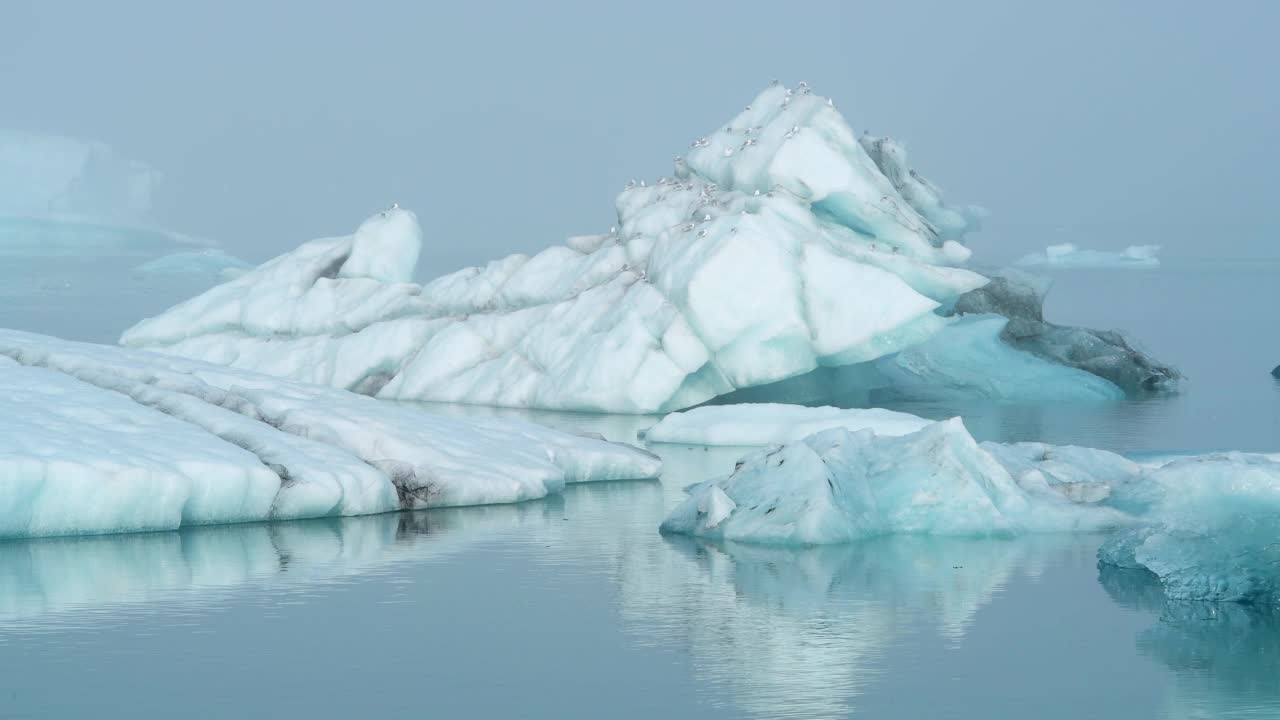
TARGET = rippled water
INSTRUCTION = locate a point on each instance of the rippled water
(575, 607)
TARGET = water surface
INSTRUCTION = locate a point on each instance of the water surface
(575, 607)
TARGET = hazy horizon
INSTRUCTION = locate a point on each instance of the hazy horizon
(510, 128)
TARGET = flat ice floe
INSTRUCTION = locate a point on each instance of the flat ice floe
(1068, 255)
(773, 423)
(98, 439)
(1203, 525)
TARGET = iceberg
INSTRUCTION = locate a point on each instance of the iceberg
(772, 424)
(1209, 532)
(75, 218)
(97, 439)
(56, 176)
(1068, 255)
(782, 248)
(1203, 526)
(839, 486)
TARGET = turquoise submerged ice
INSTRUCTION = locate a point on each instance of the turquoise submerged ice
(97, 439)
(1212, 531)
(1205, 526)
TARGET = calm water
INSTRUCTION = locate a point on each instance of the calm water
(575, 607)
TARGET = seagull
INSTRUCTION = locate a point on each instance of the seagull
(830, 102)
(702, 233)
(395, 206)
(728, 152)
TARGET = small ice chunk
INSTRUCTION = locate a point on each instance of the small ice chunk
(773, 424)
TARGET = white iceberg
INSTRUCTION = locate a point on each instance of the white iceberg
(98, 439)
(783, 249)
(1068, 255)
(778, 247)
(772, 424)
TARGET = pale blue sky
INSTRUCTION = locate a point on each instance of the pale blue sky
(509, 126)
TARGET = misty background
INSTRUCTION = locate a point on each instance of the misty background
(509, 126)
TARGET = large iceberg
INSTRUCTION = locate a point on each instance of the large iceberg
(782, 247)
(1068, 255)
(98, 439)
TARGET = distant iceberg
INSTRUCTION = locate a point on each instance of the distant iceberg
(210, 262)
(784, 251)
(75, 222)
(1068, 255)
(98, 439)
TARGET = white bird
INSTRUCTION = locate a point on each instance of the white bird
(728, 152)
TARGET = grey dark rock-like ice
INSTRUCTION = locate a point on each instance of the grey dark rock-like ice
(1105, 353)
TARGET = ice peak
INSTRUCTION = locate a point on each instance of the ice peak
(385, 247)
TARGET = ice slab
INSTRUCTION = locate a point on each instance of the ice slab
(773, 423)
(101, 439)
(1068, 255)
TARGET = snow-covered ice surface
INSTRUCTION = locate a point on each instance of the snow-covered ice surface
(102, 439)
(772, 423)
(782, 245)
(1068, 255)
(1205, 525)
